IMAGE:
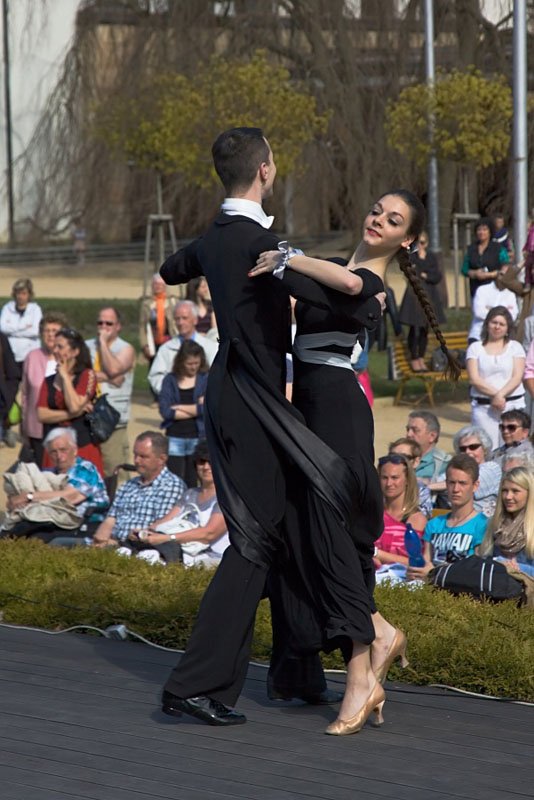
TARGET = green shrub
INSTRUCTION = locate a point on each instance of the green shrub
(456, 641)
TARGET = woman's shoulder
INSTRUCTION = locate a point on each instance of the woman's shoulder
(515, 349)
(474, 350)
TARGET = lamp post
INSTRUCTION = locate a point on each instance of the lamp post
(9, 146)
(520, 148)
(433, 198)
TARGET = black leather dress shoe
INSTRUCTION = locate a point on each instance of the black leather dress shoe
(325, 698)
(204, 708)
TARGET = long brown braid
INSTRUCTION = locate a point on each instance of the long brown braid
(453, 369)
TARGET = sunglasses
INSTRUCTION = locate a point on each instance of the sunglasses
(393, 458)
(105, 322)
(510, 428)
(471, 447)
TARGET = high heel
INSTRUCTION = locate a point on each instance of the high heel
(374, 704)
(397, 649)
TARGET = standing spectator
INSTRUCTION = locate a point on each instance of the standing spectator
(515, 429)
(528, 253)
(528, 377)
(487, 297)
(198, 292)
(411, 312)
(495, 366)
(401, 507)
(66, 397)
(156, 320)
(144, 499)
(9, 383)
(484, 258)
(113, 362)
(185, 317)
(19, 320)
(424, 428)
(501, 234)
(38, 365)
(459, 533)
(79, 241)
(181, 405)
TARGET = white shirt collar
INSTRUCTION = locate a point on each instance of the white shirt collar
(234, 206)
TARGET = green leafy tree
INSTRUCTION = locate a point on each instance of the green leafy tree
(472, 119)
(171, 122)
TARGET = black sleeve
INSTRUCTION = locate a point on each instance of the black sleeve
(433, 273)
(182, 265)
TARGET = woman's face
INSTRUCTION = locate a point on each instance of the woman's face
(22, 298)
(204, 472)
(48, 336)
(386, 225)
(203, 290)
(497, 328)
(514, 497)
(483, 233)
(64, 352)
(191, 366)
(393, 480)
(472, 447)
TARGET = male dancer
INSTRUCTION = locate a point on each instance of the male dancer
(261, 451)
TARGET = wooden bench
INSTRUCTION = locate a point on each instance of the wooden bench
(400, 369)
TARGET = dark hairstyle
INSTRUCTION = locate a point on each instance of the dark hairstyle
(192, 288)
(53, 318)
(497, 311)
(189, 349)
(487, 222)
(75, 339)
(201, 452)
(416, 226)
(237, 156)
(115, 311)
(159, 442)
(517, 415)
(465, 463)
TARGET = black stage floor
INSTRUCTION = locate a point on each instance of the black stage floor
(80, 719)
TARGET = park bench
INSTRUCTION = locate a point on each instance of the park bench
(400, 369)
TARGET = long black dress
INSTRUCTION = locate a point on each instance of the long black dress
(276, 481)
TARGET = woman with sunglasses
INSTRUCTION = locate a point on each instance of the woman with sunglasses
(401, 507)
(495, 367)
(326, 392)
(475, 442)
(411, 314)
(510, 534)
(66, 397)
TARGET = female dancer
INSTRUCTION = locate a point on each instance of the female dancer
(326, 393)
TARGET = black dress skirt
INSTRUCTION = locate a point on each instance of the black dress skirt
(411, 312)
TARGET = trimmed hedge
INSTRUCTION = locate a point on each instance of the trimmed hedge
(461, 642)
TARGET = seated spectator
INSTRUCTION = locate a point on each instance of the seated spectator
(515, 429)
(401, 507)
(38, 365)
(198, 292)
(185, 317)
(476, 443)
(512, 460)
(206, 537)
(424, 428)
(84, 489)
(487, 297)
(412, 451)
(142, 500)
(181, 405)
(495, 366)
(510, 534)
(19, 320)
(459, 533)
(66, 397)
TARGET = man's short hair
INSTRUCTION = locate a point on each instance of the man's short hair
(465, 463)
(237, 155)
(115, 311)
(159, 442)
(432, 422)
(55, 433)
(190, 305)
(411, 443)
(517, 415)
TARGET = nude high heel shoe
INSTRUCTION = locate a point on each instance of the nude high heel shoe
(397, 649)
(374, 704)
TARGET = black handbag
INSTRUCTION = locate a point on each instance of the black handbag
(103, 420)
(478, 577)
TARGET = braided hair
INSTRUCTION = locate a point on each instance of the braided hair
(453, 369)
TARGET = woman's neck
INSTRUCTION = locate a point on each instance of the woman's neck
(374, 262)
(395, 506)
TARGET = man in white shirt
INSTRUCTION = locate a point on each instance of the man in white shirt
(185, 318)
